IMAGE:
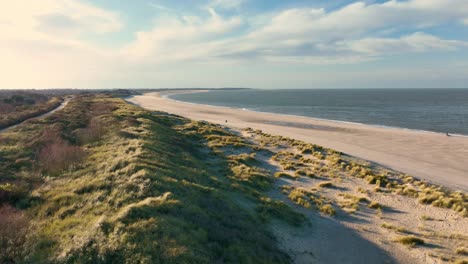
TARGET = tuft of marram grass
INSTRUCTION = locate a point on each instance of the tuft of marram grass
(327, 184)
(327, 209)
(393, 227)
(462, 251)
(375, 205)
(410, 241)
(285, 175)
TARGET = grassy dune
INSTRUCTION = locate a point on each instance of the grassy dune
(16, 108)
(106, 182)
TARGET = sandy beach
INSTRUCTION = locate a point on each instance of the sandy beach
(429, 156)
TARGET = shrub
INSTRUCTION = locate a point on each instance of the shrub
(93, 132)
(12, 192)
(13, 230)
(59, 155)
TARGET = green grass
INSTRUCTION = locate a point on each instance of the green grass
(269, 209)
(27, 108)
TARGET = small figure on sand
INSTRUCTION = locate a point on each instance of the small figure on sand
(226, 121)
(448, 135)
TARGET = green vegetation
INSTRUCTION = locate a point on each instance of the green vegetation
(270, 208)
(17, 108)
(106, 182)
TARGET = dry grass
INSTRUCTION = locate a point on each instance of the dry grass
(395, 228)
(327, 184)
(327, 209)
(375, 205)
(461, 251)
(410, 241)
(298, 196)
(285, 175)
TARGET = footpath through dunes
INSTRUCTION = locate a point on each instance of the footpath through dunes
(429, 156)
(53, 105)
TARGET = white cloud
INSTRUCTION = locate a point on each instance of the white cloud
(180, 39)
(416, 42)
(41, 42)
(227, 4)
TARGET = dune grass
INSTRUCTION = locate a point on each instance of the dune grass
(410, 241)
(150, 188)
(18, 108)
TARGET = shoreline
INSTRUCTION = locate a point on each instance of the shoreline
(168, 96)
(433, 157)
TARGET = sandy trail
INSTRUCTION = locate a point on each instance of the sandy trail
(429, 156)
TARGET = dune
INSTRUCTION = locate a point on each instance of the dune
(433, 157)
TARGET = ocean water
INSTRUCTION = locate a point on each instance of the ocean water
(436, 110)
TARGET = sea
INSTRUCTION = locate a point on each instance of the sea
(430, 110)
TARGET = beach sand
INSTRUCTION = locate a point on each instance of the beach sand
(429, 156)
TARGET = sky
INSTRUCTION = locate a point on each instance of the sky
(233, 43)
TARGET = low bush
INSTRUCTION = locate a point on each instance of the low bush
(13, 231)
(59, 155)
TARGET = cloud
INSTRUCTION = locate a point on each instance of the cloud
(416, 42)
(160, 7)
(183, 38)
(42, 43)
(227, 4)
(350, 33)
